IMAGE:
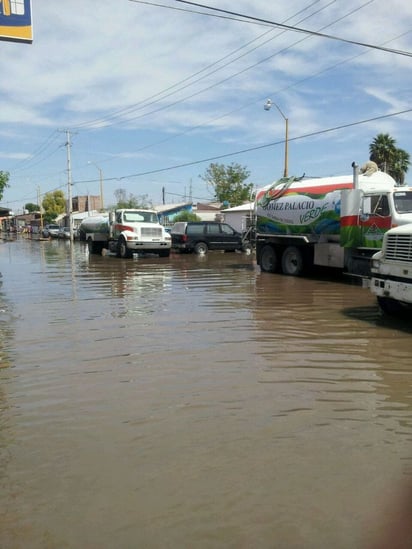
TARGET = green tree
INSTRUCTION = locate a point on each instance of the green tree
(4, 182)
(389, 157)
(130, 200)
(228, 183)
(382, 151)
(54, 204)
(186, 216)
(400, 166)
(31, 208)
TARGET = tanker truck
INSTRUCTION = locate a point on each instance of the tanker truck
(334, 222)
(126, 231)
(391, 268)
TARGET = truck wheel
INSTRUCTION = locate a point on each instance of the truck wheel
(122, 249)
(268, 259)
(391, 306)
(94, 247)
(292, 261)
(201, 248)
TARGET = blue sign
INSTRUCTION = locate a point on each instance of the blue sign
(15, 20)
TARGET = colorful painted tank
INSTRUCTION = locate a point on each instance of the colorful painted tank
(293, 206)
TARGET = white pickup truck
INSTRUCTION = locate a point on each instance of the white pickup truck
(391, 269)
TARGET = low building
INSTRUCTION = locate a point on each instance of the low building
(167, 212)
(5, 219)
(240, 217)
(86, 203)
(208, 212)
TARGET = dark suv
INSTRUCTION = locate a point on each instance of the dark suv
(201, 236)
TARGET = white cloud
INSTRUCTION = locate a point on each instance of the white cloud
(170, 71)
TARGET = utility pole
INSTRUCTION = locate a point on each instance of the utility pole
(41, 209)
(69, 184)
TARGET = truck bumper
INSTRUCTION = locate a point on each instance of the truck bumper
(147, 246)
(397, 290)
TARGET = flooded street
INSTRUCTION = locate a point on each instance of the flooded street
(194, 402)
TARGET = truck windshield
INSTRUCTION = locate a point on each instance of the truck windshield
(140, 217)
(403, 201)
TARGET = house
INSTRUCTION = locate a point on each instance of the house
(208, 212)
(167, 212)
(240, 217)
(5, 219)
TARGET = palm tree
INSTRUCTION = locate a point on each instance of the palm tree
(382, 151)
(400, 166)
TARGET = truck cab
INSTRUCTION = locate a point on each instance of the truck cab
(138, 230)
(391, 269)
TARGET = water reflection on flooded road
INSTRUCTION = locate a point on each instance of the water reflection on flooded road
(193, 402)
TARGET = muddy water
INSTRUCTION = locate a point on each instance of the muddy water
(194, 402)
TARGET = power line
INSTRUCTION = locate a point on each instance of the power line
(178, 86)
(211, 86)
(245, 70)
(235, 153)
(299, 29)
(259, 147)
(41, 149)
(199, 12)
(34, 154)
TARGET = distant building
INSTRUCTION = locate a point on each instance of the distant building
(86, 203)
(167, 212)
(5, 218)
(240, 217)
(208, 212)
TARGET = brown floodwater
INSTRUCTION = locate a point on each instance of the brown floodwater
(194, 402)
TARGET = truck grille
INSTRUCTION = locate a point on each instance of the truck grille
(399, 247)
(151, 232)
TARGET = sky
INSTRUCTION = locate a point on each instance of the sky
(147, 95)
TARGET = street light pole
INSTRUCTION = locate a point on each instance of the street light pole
(267, 106)
(101, 183)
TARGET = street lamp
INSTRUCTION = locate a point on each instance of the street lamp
(267, 106)
(101, 183)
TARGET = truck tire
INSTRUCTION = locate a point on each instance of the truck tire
(292, 261)
(391, 307)
(122, 249)
(201, 248)
(94, 247)
(268, 259)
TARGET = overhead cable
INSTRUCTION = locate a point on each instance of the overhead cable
(299, 29)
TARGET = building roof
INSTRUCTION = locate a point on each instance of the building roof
(167, 208)
(242, 208)
(4, 212)
(210, 206)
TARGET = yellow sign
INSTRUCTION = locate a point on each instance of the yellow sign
(15, 20)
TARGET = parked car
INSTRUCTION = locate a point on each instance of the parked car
(51, 230)
(201, 236)
(64, 232)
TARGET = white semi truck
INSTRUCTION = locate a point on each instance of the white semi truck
(126, 231)
(391, 268)
(332, 221)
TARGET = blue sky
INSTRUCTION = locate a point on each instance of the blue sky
(152, 95)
